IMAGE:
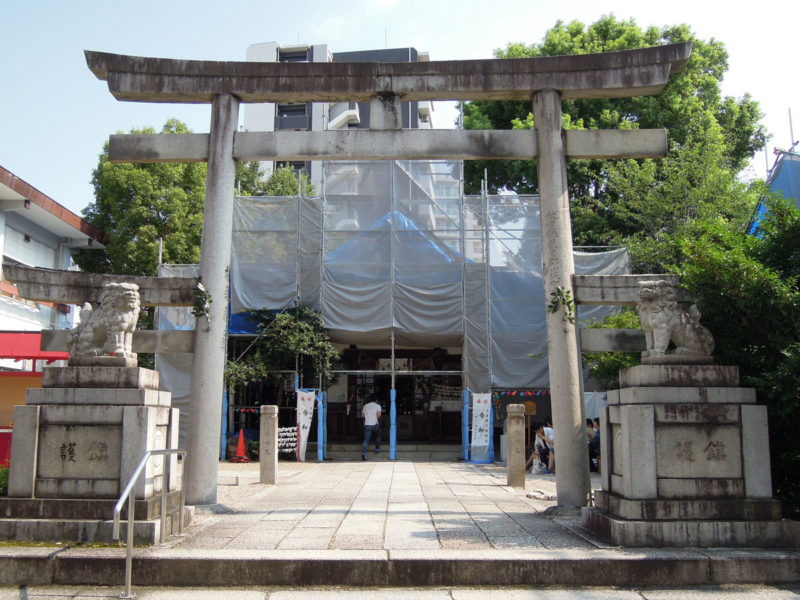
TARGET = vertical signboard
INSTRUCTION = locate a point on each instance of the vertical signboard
(305, 411)
(481, 427)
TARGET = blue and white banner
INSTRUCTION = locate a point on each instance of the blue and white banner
(305, 411)
(481, 427)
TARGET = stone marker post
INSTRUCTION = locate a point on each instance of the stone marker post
(572, 464)
(210, 346)
(268, 445)
(515, 461)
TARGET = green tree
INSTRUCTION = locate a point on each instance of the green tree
(250, 180)
(604, 366)
(284, 182)
(284, 341)
(747, 289)
(137, 205)
(612, 202)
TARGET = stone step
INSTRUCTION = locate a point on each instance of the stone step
(92, 509)
(380, 568)
(405, 452)
(69, 531)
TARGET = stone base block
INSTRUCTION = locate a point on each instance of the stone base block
(87, 530)
(737, 509)
(682, 395)
(103, 361)
(58, 508)
(700, 534)
(90, 451)
(99, 396)
(100, 377)
(679, 376)
(677, 359)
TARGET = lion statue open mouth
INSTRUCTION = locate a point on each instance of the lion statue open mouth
(664, 321)
(108, 329)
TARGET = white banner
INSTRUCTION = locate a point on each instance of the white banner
(305, 410)
(481, 429)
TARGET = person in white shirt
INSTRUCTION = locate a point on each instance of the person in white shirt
(545, 432)
(372, 414)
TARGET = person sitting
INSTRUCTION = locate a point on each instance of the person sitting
(538, 457)
(594, 450)
(543, 449)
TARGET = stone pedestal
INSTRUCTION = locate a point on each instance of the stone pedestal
(75, 446)
(685, 462)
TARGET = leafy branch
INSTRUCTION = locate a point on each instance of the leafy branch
(562, 297)
(202, 301)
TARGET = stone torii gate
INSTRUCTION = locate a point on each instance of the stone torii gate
(546, 81)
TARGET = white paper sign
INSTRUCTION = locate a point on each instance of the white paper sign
(305, 411)
(481, 430)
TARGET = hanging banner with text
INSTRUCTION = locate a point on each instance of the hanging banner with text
(481, 427)
(305, 410)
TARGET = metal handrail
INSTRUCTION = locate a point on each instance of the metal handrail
(126, 495)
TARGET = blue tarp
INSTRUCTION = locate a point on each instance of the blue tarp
(784, 179)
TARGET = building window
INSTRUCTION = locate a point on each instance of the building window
(293, 56)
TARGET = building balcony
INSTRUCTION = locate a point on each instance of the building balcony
(343, 114)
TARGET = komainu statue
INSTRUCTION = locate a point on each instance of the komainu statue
(108, 329)
(664, 321)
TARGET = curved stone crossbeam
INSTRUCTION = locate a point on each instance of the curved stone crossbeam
(607, 75)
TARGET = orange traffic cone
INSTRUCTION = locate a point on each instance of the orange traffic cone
(241, 454)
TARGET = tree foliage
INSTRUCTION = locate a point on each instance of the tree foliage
(747, 289)
(604, 366)
(283, 181)
(137, 205)
(645, 203)
(296, 337)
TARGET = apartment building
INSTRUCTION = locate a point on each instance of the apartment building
(35, 231)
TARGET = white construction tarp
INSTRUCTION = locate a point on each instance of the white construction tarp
(395, 247)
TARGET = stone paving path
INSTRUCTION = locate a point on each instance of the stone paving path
(381, 505)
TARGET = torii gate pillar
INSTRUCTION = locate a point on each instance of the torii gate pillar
(572, 482)
(211, 339)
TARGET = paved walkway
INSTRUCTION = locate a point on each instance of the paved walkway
(383, 505)
(394, 530)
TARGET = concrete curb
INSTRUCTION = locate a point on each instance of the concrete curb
(365, 568)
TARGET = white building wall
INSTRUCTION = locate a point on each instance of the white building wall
(261, 117)
(29, 244)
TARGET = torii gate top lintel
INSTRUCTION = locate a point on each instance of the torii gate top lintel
(608, 75)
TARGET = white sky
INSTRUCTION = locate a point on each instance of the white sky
(55, 115)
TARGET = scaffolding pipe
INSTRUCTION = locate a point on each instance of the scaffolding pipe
(320, 427)
(393, 392)
(465, 428)
(392, 411)
(487, 264)
(464, 344)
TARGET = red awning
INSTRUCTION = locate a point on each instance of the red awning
(21, 345)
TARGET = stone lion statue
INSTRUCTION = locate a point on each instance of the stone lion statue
(664, 321)
(108, 329)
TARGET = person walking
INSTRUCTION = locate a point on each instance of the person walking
(372, 414)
